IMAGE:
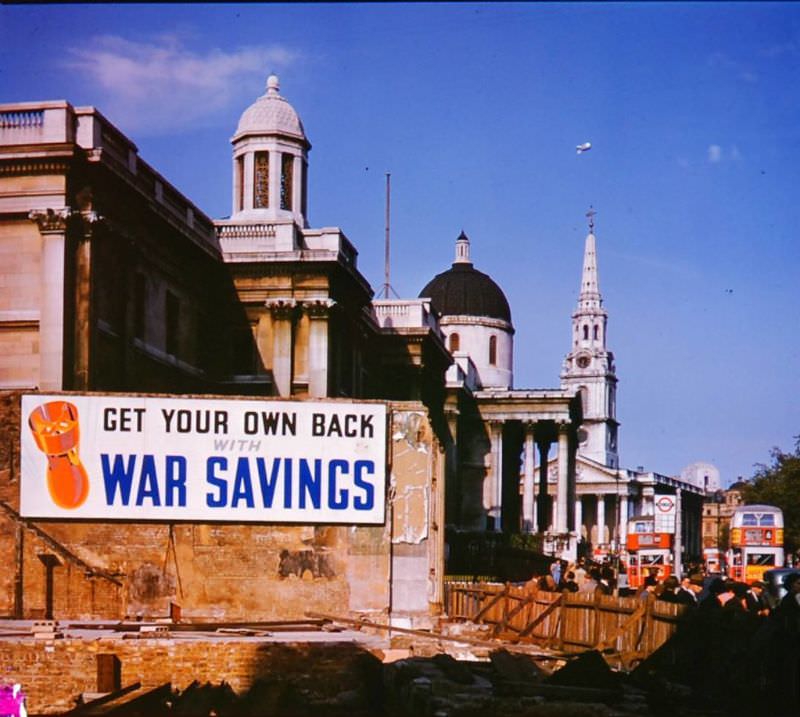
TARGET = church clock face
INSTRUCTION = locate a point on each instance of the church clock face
(583, 361)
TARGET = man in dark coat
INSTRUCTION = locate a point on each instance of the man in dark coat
(787, 620)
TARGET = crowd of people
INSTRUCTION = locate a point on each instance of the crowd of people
(740, 646)
(693, 589)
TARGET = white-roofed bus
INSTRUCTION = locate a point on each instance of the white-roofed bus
(756, 542)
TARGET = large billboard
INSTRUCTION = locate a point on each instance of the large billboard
(150, 458)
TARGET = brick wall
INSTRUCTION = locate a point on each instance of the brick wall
(54, 673)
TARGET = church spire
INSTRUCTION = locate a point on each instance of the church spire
(589, 366)
(590, 299)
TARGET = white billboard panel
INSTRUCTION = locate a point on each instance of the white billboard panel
(144, 458)
(665, 513)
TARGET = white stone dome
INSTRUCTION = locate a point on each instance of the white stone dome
(271, 114)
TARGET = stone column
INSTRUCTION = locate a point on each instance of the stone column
(84, 305)
(297, 187)
(562, 490)
(275, 180)
(453, 487)
(318, 313)
(601, 518)
(623, 520)
(648, 500)
(543, 520)
(282, 311)
(52, 225)
(578, 516)
(493, 489)
(248, 180)
(528, 501)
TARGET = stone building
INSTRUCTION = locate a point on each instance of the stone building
(718, 509)
(111, 278)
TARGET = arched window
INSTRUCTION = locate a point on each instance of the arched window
(455, 343)
(596, 330)
(261, 180)
(585, 332)
(287, 181)
(492, 350)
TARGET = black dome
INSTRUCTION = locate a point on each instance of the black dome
(464, 291)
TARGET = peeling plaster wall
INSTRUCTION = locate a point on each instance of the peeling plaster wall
(226, 571)
(417, 505)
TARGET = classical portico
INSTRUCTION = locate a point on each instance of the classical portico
(519, 424)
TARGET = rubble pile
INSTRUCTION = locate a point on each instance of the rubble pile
(511, 685)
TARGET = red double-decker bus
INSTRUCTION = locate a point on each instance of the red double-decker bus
(649, 552)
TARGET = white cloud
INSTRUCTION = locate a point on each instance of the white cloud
(779, 49)
(717, 154)
(730, 66)
(162, 85)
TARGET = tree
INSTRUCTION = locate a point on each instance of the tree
(778, 484)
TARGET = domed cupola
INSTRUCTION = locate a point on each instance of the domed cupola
(270, 161)
(475, 317)
(462, 290)
(271, 114)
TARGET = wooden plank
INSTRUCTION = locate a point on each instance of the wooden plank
(496, 599)
(505, 623)
(541, 617)
(494, 644)
(637, 615)
(80, 709)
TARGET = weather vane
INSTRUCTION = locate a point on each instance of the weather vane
(590, 214)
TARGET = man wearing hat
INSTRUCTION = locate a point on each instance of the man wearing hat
(787, 617)
(755, 600)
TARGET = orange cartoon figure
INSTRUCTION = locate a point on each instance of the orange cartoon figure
(56, 431)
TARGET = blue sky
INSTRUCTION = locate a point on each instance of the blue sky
(693, 111)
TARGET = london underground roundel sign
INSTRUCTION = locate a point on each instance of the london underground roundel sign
(665, 504)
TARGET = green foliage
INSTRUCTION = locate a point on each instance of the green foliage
(778, 484)
(526, 541)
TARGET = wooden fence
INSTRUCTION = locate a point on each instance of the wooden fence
(630, 627)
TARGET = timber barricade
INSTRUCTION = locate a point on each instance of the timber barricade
(629, 627)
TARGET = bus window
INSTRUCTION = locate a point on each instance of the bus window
(767, 519)
(749, 519)
(761, 559)
(648, 560)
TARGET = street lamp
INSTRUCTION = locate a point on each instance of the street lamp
(618, 532)
(719, 500)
